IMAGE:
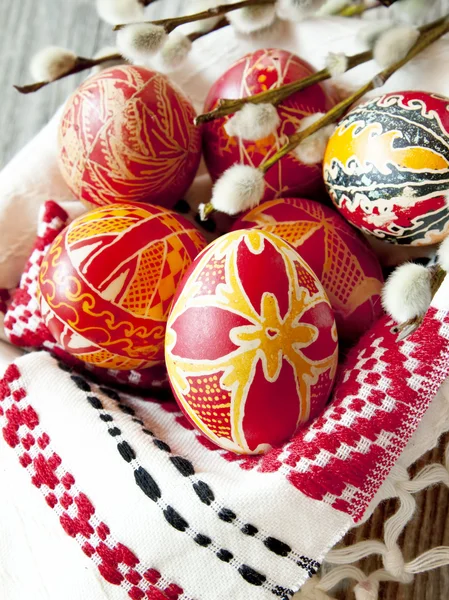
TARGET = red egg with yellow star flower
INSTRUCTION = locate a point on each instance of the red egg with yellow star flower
(251, 342)
(108, 280)
(257, 72)
(341, 259)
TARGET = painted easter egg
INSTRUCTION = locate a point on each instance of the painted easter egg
(127, 134)
(386, 167)
(251, 343)
(151, 381)
(341, 259)
(257, 72)
(108, 280)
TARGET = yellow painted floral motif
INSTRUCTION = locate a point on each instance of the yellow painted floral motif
(268, 338)
(343, 276)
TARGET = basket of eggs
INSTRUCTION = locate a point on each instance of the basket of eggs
(235, 312)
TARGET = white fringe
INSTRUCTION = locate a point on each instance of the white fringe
(340, 562)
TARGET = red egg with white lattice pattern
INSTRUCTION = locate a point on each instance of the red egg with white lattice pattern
(127, 134)
(108, 280)
(340, 257)
(257, 72)
(251, 344)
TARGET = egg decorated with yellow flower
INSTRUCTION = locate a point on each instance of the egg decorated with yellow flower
(339, 256)
(251, 343)
(386, 167)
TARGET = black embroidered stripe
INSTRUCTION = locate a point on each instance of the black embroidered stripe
(282, 593)
(227, 515)
(310, 565)
(151, 489)
(207, 496)
(147, 484)
(249, 529)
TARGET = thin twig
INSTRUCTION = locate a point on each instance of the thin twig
(426, 38)
(378, 80)
(81, 64)
(87, 63)
(276, 96)
(171, 24)
(330, 117)
(228, 106)
(196, 35)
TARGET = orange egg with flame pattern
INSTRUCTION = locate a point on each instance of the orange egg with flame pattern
(127, 135)
(257, 72)
(251, 342)
(108, 280)
(341, 259)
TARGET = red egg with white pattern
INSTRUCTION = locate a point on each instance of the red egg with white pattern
(127, 135)
(341, 259)
(257, 72)
(251, 343)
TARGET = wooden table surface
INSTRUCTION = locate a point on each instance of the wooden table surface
(27, 26)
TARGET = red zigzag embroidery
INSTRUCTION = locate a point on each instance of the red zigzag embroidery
(115, 561)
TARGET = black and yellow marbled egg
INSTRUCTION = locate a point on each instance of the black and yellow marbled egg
(386, 167)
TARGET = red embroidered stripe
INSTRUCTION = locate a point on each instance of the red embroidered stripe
(115, 561)
(384, 389)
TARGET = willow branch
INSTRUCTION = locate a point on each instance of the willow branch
(432, 33)
(276, 96)
(171, 24)
(425, 40)
(83, 64)
(330, 117)
(221, 23)
(216, 11)
(228, 106)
